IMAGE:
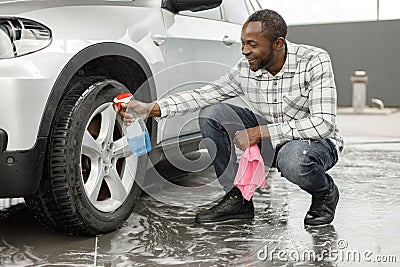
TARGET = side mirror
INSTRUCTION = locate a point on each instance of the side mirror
(192, 5)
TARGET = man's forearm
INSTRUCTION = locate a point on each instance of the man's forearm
(250, 136)
(155, 110)
(264, 132)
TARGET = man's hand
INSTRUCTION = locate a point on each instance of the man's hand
(144, 110)
(251, 136)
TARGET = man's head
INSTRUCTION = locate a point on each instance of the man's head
(273, 25)
(263, 40)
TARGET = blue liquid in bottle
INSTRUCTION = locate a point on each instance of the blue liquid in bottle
(148, 142)
(140, 144)
(137, 136)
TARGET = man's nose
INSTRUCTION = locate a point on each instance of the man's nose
(245, 50)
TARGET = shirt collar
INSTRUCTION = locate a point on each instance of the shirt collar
(291, 61)
(290, 64)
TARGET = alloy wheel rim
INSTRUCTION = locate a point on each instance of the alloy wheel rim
(108, 167)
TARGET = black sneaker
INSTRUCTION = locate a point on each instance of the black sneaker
(232, 206)
(322, 210)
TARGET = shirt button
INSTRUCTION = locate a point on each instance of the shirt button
(275, 116)
(275, 83)
(275, 100)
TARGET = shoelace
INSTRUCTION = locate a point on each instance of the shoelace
(223, 202)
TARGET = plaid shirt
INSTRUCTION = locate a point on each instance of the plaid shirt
(299, 101)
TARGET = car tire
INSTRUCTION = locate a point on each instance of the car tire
(89, 185)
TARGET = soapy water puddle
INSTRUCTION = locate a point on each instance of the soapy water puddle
(159, 234)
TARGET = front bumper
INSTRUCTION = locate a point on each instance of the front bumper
(20, 170)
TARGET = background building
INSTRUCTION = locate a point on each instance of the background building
(358, 34)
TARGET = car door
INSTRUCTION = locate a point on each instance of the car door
(201, 47)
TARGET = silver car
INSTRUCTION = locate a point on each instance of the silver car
(62, 62)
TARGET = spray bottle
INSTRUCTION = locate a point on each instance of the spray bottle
(136, 133)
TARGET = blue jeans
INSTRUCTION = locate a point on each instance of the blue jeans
(302, 162)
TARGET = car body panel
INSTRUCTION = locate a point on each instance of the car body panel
(175, 52)
(31, 77)
(196, 56)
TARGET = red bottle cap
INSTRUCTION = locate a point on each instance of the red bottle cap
(122, 98)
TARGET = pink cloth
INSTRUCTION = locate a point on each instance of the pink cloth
(251, 173)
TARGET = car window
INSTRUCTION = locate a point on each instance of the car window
(214, 13)
(235, 11)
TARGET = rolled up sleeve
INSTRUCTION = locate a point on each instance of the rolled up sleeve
(226, 87)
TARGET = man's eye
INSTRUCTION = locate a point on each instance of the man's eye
(253, 46)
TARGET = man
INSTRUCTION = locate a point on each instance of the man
(293, 92)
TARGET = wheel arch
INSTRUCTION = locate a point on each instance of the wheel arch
(115, 61)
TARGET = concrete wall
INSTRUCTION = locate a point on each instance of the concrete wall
(371, 46)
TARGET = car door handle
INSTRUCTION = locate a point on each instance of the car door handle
(228, 41)
(158, 39)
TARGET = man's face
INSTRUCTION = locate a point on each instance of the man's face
(256, 47)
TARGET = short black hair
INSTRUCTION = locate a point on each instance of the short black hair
(273, 25)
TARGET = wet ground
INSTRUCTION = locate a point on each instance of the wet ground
(365, 231)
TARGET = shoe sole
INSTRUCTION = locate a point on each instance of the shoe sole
(226, 218)
(316, 225)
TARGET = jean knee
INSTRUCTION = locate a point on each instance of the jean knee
(299, 169)
(208, 116)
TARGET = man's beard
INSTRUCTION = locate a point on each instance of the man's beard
(263, 62)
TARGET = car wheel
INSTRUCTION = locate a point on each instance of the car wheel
(88, 186)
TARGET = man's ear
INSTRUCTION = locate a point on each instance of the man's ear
(279, 43)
